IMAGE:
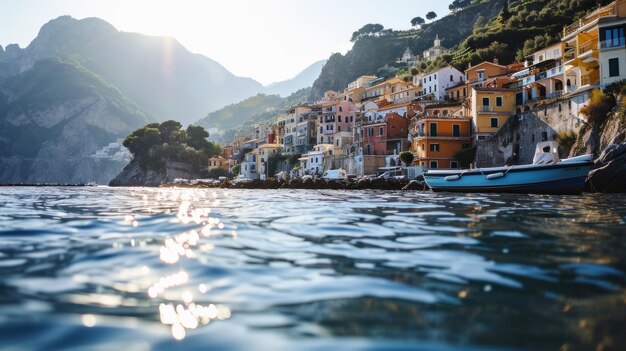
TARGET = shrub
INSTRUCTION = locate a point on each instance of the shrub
(566, 139)
(598, 108)
(406, 157)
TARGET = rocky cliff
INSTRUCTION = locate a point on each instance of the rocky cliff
(53, 117)
(608, 143)
(134, 175)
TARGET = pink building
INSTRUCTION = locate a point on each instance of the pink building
(337, 119)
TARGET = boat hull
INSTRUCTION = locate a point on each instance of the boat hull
(537, 179)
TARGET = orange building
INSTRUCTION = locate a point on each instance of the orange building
(437, 139)
(216, 162)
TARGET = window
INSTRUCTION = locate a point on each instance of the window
(456, 130)
(339, 118)
(485, 101)
(481, 137)
(340, 110)
(433, 164)
(434, 147)
(430, 78)
(612, 37)
(424, 79)
(381, 131)
(614, 67)
(339, 128)
(480, 74)
(544, 136)
(494, 122)
(454, 164)
(498, 100)
(451, 78)
(423, 147)
(435, 88)
(433, 129)
(465, 146)
(435, 75)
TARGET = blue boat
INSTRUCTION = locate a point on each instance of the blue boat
(547, 175)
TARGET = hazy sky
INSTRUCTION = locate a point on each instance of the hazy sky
(268, 40)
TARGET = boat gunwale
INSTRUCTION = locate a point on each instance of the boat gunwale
(516, 168)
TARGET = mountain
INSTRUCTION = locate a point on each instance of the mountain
(301, 80)
(372, 52)
(157, 73)
(234, 119)
(54, 116)
(479, 30)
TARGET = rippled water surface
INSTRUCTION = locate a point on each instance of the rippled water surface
(183, 269)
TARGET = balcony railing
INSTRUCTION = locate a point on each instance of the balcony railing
(609, 10)
(485, 109)
(569, 55)
(612, 43)
(587, 46)
(590, 79)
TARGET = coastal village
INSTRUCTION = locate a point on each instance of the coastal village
(446, 118)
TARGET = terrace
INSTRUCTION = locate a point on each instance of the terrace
(606, 11)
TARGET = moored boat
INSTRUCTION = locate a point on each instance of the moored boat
(547, 175)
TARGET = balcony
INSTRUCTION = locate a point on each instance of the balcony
(590, 79)
(609, 10)
(569, 55)
(612, 43)
(485, 109)
(587, 48)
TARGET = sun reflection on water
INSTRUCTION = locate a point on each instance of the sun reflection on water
(186, 314)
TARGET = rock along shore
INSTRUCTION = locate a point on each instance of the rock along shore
(360, 184)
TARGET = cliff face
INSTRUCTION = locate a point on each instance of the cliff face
(54, 117)
(609, 142)
(134, 175)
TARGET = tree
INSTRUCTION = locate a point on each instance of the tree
(459, 4)
(366, 30)
(417, 21)
(168, 131)
(504, 13)
(406, 157)
(196, 138)
(431, 15)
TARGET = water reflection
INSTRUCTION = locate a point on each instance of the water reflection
(310, 269)
(186, 315)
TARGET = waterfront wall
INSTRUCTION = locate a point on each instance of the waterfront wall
(515, 142)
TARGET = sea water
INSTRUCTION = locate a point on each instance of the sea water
(100, 268)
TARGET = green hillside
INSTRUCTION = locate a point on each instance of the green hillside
(477, 31)
(236, 118)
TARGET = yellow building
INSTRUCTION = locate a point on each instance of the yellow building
(594, 48)
(489, 108)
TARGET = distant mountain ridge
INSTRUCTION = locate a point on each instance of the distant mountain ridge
(303, 79)
(157, 73)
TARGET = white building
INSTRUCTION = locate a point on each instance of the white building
(435, 51)
(434, 84)
(248, 166)
(315, 158)
(612, 50)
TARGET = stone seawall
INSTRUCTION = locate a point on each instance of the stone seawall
(516, 140)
